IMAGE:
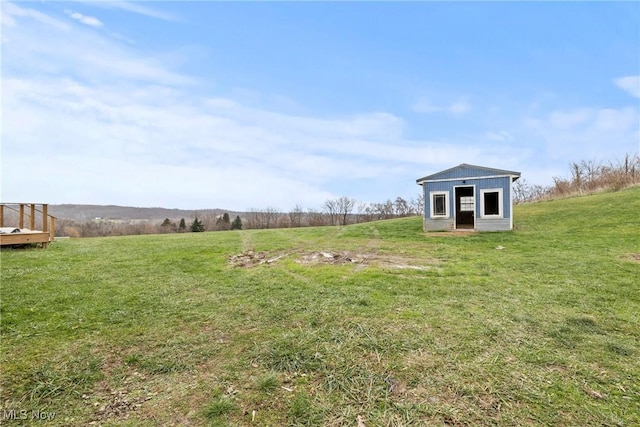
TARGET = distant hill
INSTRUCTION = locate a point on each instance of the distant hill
(111, 212)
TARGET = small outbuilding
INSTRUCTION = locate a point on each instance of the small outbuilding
(468, 197)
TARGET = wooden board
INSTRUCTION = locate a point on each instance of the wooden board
(24, 238)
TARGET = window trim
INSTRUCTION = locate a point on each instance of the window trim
(500, 214)
(432, 204)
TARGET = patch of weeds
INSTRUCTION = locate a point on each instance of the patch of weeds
(359, 385)
(268, 383)
(565, 337)
(572, 333)
(364, 302)
(219, 407)
(584, 324)
(292, 353)
(304, 412)
(157, 363)
(361, 301)
(619, 349)
(73, 377)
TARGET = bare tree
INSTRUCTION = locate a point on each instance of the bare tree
(344, 207)
(363, 212)
(520, 191)
(401, 207)
(383, 210)
(315, 218)
(295, 216)
(330, 207)
(271, 216)
(417, 204)
(253, 219)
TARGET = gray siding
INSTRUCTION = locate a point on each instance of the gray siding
(502, 224)
(439, 224)
(482, 224)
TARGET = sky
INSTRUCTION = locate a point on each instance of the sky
(249, 105)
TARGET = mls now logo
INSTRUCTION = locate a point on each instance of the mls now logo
(23, 414)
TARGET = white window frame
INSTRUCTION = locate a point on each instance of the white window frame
(500, 203)
(432, 205)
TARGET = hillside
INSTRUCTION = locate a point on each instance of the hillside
(376, 323)
(112, 212)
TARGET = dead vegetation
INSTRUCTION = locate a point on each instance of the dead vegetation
(112, 403)
(587, 177)
(633, 257)
(251, 258)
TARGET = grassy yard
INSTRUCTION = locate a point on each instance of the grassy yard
(374, 323)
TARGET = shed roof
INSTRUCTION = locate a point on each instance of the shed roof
(466, 171)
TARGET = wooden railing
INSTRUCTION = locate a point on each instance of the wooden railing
(27, 213)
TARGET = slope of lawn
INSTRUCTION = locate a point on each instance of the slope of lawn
(375, 323)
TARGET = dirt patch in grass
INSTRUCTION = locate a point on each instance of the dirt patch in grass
(334, 258)
(117, 401)
(632, 257)
(250, 258)
(316, 258)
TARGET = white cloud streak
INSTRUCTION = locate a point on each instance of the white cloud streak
(456, 108)
(84, 19)
(630, 84)
(11, 12)
(108, 128)
(135, 7)
(588, 133)
(76, 52)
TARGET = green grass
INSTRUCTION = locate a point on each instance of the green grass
(420, 330)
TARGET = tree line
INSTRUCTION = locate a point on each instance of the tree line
(338, 211)
(587, 176)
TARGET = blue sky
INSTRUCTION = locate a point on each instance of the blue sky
(272, 104)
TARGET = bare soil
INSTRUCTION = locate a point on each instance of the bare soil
(633, 257)
(316, 258)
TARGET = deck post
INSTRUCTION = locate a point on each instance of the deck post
(45, 214)
(1, 215)
(32, 219)
(21, 220)
(52, 228)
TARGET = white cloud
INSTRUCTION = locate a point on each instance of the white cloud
(187, 148)
(499, 136)
(613, 120)
(456, 108)
(630, 84)
(134, 7)
(570, 119)
(10, 11)
(77, 52)
(587, 133)
(87, 20)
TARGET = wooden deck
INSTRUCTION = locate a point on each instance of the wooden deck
(18, 224)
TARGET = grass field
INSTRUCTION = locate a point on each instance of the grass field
(374, 324)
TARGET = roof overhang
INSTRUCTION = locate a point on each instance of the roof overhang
(495, 173)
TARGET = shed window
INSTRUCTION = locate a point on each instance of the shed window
(466, 204)
(439, 204)
(492, 203)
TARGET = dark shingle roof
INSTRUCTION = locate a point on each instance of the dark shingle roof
(465, 170)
